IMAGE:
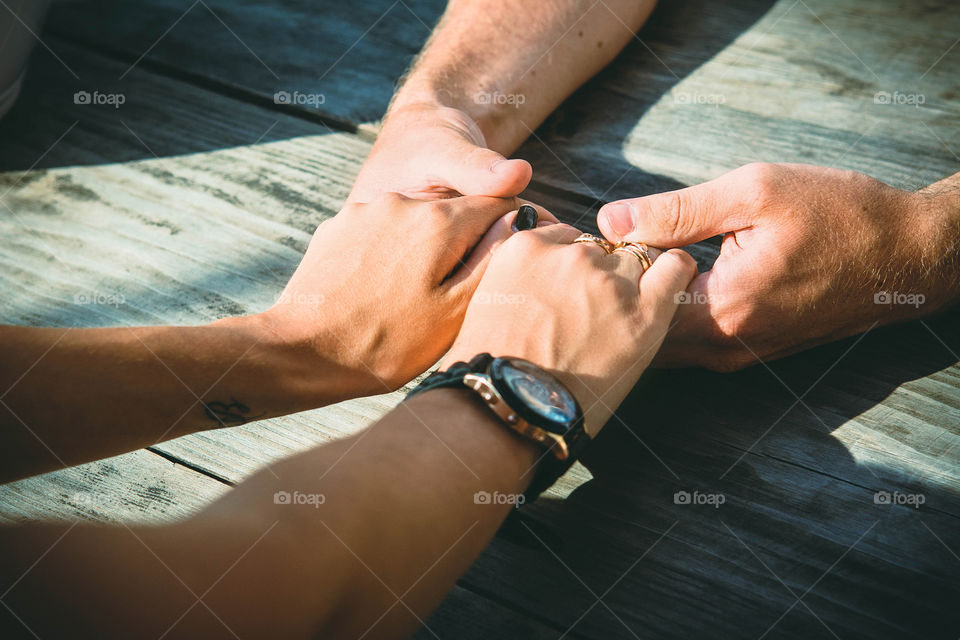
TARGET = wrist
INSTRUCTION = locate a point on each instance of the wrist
(494, 124)
(288, 367)
(476, 423)
(595, 415)
(938, 213)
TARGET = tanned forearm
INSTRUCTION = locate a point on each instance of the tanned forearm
(944, 218)
(508, 64)
(376, 530)
(74, 395)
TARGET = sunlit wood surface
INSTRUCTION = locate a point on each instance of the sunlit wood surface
(195, 198)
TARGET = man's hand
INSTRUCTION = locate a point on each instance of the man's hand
(426, 151)
(809, 255)
(490, 74)
(383, 287)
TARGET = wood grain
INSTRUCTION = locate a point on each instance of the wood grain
(137, 487)
(705, 87)
(196, 198)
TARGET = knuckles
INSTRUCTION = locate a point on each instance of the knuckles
(683, 261)
(734, 338)
(728, 329)
(439, 212)
(387, 200)
(520, 244)
(761, 179)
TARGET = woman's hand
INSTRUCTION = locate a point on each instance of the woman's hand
(576, 311)
(382, 289)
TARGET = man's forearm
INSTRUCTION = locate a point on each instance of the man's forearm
(508, 64)
(73, 395)
(361, 537)
(942, 220)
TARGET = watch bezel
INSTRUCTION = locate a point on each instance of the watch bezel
(520, 406)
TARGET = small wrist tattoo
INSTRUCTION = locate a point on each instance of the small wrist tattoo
(228, 414)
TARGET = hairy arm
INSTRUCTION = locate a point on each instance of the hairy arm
(541, 51)
(490, 74)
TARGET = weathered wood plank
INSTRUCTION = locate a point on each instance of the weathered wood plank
(703, 578)
(137, 487)
(350, 53)
(710, 87)
(726, 84)
(465, 615)
(797, 498)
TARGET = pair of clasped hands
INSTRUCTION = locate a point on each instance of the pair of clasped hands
(406, 277)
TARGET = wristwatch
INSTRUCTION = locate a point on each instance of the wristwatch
(530, 401)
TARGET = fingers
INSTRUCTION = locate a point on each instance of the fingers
(628, 264)
(463, 222)
(682, 217)
(556, 233)
(544, 217)
(476, 171)
(470, 272)
(670, 275)
(471, 216)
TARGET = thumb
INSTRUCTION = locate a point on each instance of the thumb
(678, 218)
(477, 171)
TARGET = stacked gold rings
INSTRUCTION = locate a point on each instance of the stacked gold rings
(589, 238)
(636, 249)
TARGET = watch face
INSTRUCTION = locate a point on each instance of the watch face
(537, 391)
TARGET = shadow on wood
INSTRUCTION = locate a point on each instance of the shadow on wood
(699, 506)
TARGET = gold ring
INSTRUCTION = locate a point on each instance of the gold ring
(589, 238)
(638, 250)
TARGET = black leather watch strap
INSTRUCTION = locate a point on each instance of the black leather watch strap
(548, 467)
(452, 377)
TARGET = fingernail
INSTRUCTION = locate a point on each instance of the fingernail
(498, 165)
(526, 218)
(619, 217)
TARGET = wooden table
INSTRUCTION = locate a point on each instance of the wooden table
(196, 198)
